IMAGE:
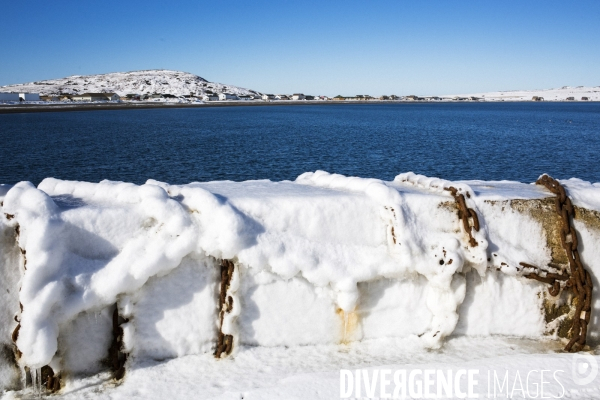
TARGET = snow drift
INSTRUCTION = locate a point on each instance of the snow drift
(322, 260)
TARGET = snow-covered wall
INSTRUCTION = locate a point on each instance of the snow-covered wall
(324, 259)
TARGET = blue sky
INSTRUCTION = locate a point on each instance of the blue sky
(316, 47)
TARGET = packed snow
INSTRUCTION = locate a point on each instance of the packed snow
(135, 82)
(332, 272)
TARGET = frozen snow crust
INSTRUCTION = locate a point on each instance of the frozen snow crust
(322, 260)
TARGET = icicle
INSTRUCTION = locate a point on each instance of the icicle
(23, 377)
(33, 373)
(39, 378)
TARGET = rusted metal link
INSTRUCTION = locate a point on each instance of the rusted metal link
(116, 356)
(50, 380)
(555, 289)
(524, 264)
(15, 334)
(539, 278)
(224, 342)
(550, 278)
(475, 219)
(464, 214)
(558, 277)
(578, 279)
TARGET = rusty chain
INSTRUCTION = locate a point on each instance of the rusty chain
(50, 380)
(224, 342)
(465, 213)
(579, 279)
(117, 357)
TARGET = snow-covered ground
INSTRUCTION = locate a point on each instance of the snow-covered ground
(313, 372)
(122, 83)
(558, 94)
(331, 273)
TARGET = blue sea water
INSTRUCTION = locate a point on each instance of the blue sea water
(490, 141)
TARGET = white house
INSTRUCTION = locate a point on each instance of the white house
(227, 96)
(9, 96)
(268, 97)
(210, 97)
(297, 96)
(96, 97)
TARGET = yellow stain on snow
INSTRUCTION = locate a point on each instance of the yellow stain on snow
(349, 324)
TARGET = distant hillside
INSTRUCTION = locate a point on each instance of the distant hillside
(139, 82)
(565, 93)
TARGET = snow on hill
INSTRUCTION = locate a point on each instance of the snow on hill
(158, 81)
(564, 93)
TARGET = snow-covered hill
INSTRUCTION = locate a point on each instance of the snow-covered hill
(564, 93)
(135, 82)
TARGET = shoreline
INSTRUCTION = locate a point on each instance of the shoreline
(65, 107)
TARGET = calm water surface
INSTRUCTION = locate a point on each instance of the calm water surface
(491, 141)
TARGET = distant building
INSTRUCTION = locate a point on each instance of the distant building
(96, 97)
(210, 97)
(227, 96)
(297, 96)
(9, 97)
(49, 98)
(309, 97)
(537, 98)
(339, 97)
(384, 97)
(29, 96)
(268, 97)
(245, 97)
(584, 99)
(570, 98)
(282, 97)
(19, 96)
